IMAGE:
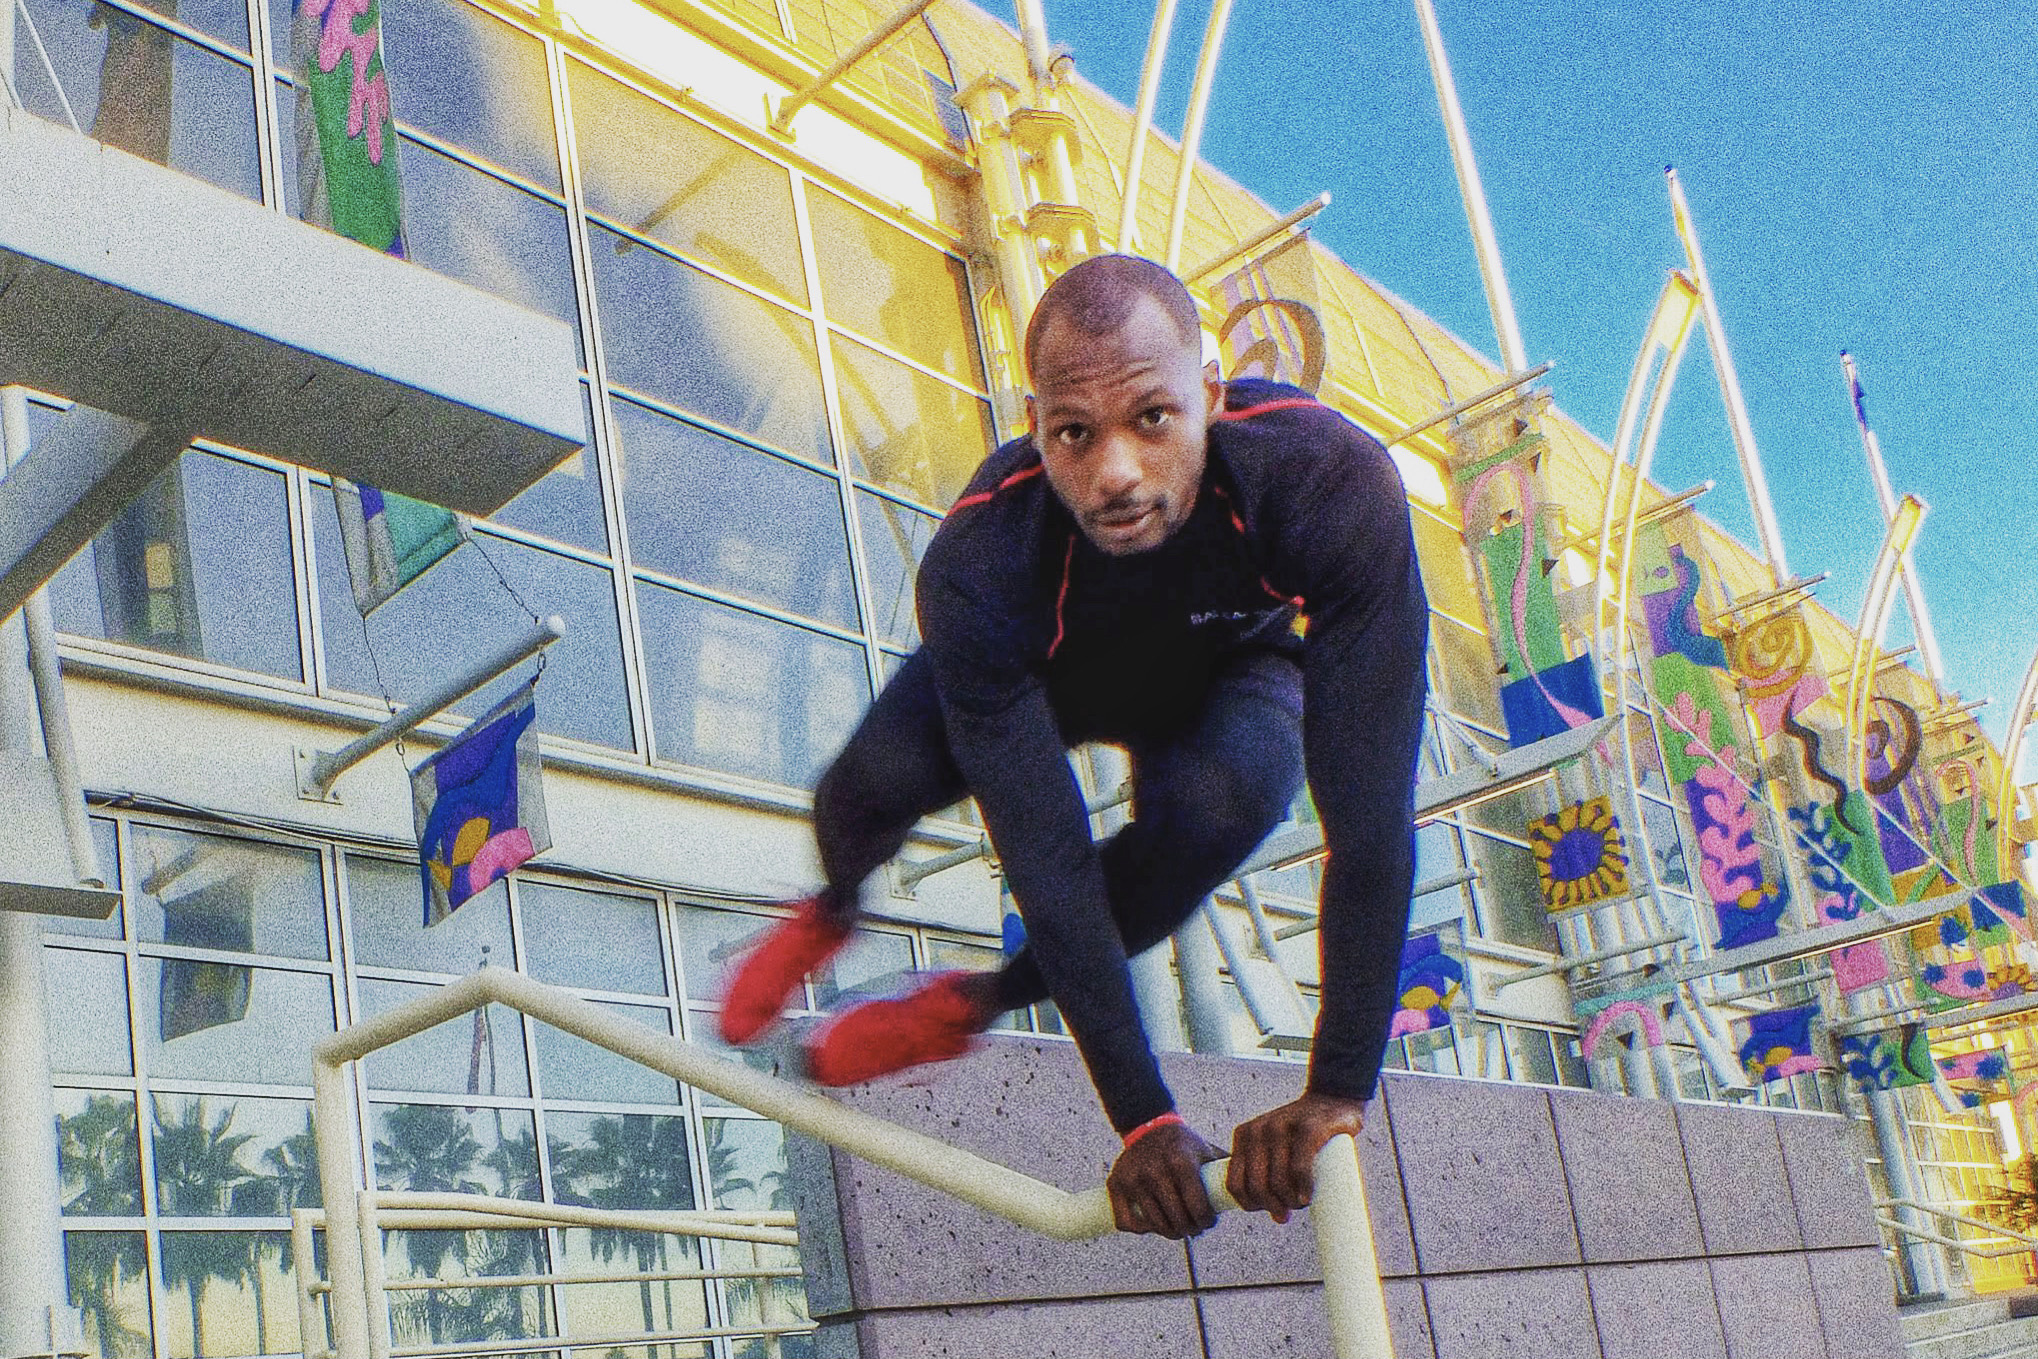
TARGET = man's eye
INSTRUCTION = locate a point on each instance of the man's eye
(1155, 417)
(1071, 434)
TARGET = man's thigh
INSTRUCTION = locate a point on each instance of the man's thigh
(1229, 777)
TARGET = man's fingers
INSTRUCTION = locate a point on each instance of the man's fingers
(1247, 1177)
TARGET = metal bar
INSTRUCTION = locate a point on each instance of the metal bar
(1954, 714)
(1789, 587)
(782, 121)
(1344, 1246)
(1811, 943)
(327, 766)
(1350, 1268)
(1442, 882)
(1260, 238)
(332, 1127)
(1967, 1219)
(1142, 124)
(1596, 956)
(1513, 354)
(1979, 1014)
(1885, 496)
(1033, 38)
(548, 1280)
(1964, 1247)
(303, 1271)
(1192, 129)
(1903, 527)
(1803, 979)
(380, 1335)
(1472, 402)
(555, 1343)
(1656, 511)
(1730, 388)
(724, 1226)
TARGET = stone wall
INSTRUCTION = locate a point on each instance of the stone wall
(1509, 1220)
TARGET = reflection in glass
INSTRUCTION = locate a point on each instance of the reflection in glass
(909, 432)
(473, 81)
(663, 175)
(98, 1154)
(1528, 1055)
(197, 565)
(1465, 670)
(677, 334)
(441, 1316)
(598, 940)
(109, 1285)
(1509, 895)
(873, 960)
(608, 1309)
(459, 612)
(90, 991)
(386, 901)
(227, 1156)
(138, 87)
(573, 1068)
(1432, 1051)
(258, 1023)
(894, 540)
(226, 1293)
(565, 503)
(746, 1169)
(481, 230)
(743, 694)
(710, 940)
(484, 1056)
(711, 511)
(202, 891)
(900, 291)
(444, 1149)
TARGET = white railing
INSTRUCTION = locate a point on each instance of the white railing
(2016, 1243)
(1344, 1237)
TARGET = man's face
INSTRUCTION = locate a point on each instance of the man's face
(1120, 421)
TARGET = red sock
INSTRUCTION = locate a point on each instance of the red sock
(771, 972)
(932, 1023)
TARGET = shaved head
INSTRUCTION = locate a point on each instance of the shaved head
(1098, 296)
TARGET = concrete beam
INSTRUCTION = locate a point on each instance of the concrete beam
(157, 297)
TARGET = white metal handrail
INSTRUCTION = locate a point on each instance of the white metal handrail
(1352, 1290)
(1940, 1210)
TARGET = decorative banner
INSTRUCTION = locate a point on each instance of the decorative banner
(1857, 966)
(1965, 837)
(1747, 903)
(390, 540)
(1981, 1074)
(1839, 862)
(1697, 711)
(1891, 1059)
(1580, 857)
(480, 805)
(195, 996)
(1775, 660)
(1644, 1014)
(1545, 703)
(1430, 981)
(2000, 914)
(1779, 1044)
(1271, 328)
(1668, 582)
(346, 134)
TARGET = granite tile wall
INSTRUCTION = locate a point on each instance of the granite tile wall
(1510, 1222)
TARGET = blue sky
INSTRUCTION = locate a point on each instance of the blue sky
(1863, 177)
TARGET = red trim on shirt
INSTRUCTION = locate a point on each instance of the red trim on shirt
(983, 497)
(1286, 403)
(1061, 624)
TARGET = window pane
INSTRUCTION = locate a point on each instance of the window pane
(98, 1154)
(233, 1157)
(665, 176)
(743, 694)
(895, 289)
(465, 1315)
(675, 333)
(444, 1149)
(456, 614)
(219, 1021)
(566, 502)
(1528, 1053)
(138, 87)
(202, 891)
(1511, 900)
(873, 960)
(635, 1161)
(480, 230)
(573, 1068)
(894, 540)
(709, 510)
(908, 432)
(1465, 673)
(473, 81)
(197, 565)
(109, 1284)
(235, 1287)
(747, 1169)
(710, 940)
(481, 1055)
(611, 1309)
(386, 902)
(597, 940)
(89, 992)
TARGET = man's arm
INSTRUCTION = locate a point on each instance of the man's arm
(1347, 546)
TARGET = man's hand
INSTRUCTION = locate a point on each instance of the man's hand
(1157, 1185)
(1273, 1157)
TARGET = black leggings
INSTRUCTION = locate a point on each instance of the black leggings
(1203, 797)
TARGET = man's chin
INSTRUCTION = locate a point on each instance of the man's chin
(1143, 534)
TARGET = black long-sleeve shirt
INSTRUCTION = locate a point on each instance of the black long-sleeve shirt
(1039, 640)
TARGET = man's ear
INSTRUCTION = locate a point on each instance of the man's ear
(1213, 388)
(1032, 421)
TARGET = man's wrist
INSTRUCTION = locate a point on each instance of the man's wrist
(1170, 1119)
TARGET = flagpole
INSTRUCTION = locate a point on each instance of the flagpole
(1192, 129)
(1730, 387)
(1513, 354)
(1914, 593)
(1142, 124)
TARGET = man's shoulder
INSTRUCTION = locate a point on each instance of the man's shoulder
(1278, 440)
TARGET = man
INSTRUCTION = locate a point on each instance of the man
(1131, 572)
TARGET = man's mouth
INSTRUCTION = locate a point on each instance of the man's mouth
(1124, 519)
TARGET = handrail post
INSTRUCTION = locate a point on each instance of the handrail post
(1344, 1247)
(333, 1132)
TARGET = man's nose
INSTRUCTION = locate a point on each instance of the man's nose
(1118, 468)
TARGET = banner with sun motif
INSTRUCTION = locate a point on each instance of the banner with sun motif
(1581, 859)
(1779, 1044)
(480, 805)
(1430, 981)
